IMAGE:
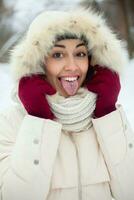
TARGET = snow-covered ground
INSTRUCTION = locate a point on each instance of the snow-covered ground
(6, 85)
(126, 97)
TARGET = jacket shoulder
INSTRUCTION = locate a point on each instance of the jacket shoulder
(11, 118)
(14, 110)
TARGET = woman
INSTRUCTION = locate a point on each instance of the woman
(66, 138)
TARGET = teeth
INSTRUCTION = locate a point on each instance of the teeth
(70, 78)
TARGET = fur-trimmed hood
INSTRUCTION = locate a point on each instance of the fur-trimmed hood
(28, 56)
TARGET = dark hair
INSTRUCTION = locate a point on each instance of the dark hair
(71, 36)
(90, 73)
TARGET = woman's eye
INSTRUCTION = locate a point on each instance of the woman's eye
(57, 55)
(81, 54)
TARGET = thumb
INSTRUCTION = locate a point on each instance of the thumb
(95, 86)
(49, 89)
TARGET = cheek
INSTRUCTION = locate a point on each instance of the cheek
(51, 71)
(84, 67)
(51, 76)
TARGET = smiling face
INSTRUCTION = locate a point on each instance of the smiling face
(67, 65)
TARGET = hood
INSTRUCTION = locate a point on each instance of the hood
(104, 46)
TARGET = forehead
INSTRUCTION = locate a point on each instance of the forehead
(70, 42)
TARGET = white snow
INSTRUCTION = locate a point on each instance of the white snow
(6, 85)
(126, 97)
(26, 10)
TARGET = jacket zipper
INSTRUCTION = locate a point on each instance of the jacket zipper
(79, 170)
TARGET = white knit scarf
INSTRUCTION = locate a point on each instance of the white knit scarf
(74, 112)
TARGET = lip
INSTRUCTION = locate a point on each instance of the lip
(70, 76)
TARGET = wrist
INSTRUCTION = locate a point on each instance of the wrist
(102, 112)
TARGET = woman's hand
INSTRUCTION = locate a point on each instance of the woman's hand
(32, 90)
(106, 84)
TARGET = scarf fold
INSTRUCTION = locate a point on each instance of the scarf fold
(74, 112)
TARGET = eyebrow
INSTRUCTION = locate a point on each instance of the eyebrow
(79, 45)
(62, 46)
(59, 45)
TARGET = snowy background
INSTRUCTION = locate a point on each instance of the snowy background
(23, 12)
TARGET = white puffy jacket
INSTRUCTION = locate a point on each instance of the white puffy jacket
(39, 161)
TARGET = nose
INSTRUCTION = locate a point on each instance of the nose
(71, 64)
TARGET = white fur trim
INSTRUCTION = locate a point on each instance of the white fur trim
(28, 56)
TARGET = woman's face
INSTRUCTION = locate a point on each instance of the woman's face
(67, 65)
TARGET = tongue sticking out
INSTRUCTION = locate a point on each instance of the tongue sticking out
(70, 86)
